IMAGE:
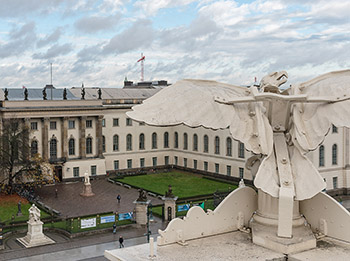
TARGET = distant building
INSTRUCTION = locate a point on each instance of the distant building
(83, 133)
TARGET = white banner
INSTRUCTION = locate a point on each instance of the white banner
(86, 223)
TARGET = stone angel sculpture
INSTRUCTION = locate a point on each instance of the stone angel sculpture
(281, 126)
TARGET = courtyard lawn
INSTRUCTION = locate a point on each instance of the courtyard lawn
(8, 207)
(184, 184)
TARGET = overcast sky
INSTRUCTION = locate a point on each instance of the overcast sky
(99, 42)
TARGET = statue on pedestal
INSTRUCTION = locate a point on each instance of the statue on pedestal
(86, 178)
(87, 190)
(169, 193)
(19, 206)
(142, 196)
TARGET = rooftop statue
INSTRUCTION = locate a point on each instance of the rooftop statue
(280, 125)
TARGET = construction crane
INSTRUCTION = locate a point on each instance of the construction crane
(142, 60)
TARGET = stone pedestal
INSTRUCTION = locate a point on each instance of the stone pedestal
(35, 235)
(265, 225)
(169, 208)
(87, 191)
(141, 211)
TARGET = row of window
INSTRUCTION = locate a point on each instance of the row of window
(321, 158)
(53, 147)
(53, 125)
(129, 165)
(76, 172)
(129, 147)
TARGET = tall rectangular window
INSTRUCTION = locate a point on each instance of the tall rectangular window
(321, 156)
(241, 173)
(88, 123)
(185, 162)
(195, 163)
(241, 150)
(228, 170)
(116, 164)
(129, 163)
(71, 124)
(175, 160)
(93, 170)
(53, 125)
(116, 122)
(217, 168)
(166, 160)
(334, 129)
(34, 125)
(76, 172)
(154, 161)
(128, 122)
(205, 166)
(142, 162)
(103, 122)
(335, 182)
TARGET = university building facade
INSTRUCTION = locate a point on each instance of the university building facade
(82, 130)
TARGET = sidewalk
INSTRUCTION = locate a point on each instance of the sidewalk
(78, 248)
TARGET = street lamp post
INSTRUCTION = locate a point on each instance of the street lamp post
(149, 218)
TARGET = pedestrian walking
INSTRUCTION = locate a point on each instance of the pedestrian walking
(121, 240)
(118, 197)
(114, 228)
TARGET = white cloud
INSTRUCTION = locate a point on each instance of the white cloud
(151, 7)
(94, 24)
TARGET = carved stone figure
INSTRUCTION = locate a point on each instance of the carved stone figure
(142, 195)
(6, 94)
(82, 92)
(86, 178)
(34, 214)
(169, 193)
(25, 94)
(19, 206)
(282, 126)
(99, 92)
(44, 94)
(65, 94)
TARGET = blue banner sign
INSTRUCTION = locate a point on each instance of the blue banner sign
(125, 216)
(107, 219)
(184, 207)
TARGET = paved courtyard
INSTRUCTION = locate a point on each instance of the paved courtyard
(70, 204)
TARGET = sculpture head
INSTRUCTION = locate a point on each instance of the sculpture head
(272, 81)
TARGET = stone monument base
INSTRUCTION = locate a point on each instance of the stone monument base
(141, 212)
(87, 191)
(35, 235)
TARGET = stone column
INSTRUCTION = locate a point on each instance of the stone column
(141, 212)
(64, 133)
(82, 137)
(169, 208)
(99, 136)
(45, 137)
(26, 138)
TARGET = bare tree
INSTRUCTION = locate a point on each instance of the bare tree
(18, 165)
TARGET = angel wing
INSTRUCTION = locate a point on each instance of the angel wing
(192, 102)
(312, 121)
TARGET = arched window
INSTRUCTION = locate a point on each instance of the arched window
(71, 146)
(217, 145)
(176, 140)
(241, 150)
(195, 142)
(115, 142)
(129, 142)
(53, 148)
(89, 145)
(206, 143)
(321, 156)
(103, 144)
(166, 140)
(334, 154)
(142, 141)
(228, 146)
(154, 140)
(34, 148)
(185, 141)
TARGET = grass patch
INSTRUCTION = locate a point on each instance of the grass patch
(9, 208)
(184, 184)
